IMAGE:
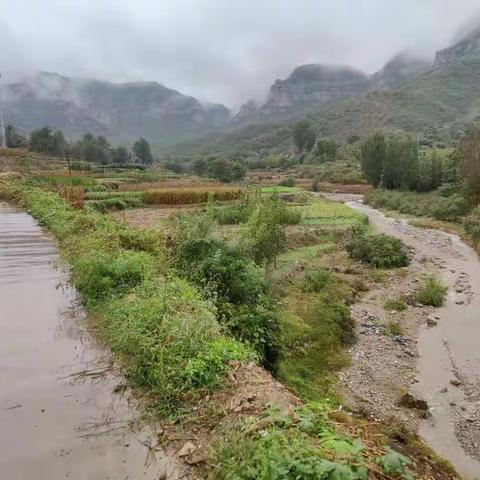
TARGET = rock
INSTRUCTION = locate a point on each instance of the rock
(455, 382)
(443, 390)
(431, 322)
(459, 302)
(187, 449)
(407, 400)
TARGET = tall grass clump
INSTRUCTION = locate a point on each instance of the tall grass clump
(432, 292)
(166, 334)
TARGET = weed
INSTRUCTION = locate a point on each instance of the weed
(394, 328)
(317, 280)
(396, 303)
(432, 292)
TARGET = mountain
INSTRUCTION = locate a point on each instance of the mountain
(121, 112)
(401, 67)
(436, 105)
(316, 84)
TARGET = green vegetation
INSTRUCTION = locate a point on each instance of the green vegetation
(301, 446)
(433, 205)
(166, 333)
(380, 251)
(303, 136)
(394, 328)
(234, 283)
(396, 303)
(432, 292)
(316, 280)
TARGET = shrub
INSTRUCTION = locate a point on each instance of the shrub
(317, 280)
(394, 328)
(472, 224)
(231, 215)
(287, 182)
(380, 251)
(432, 292)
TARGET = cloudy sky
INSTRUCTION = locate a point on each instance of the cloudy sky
(218, 50)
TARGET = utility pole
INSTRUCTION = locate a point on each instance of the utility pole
(3, 138)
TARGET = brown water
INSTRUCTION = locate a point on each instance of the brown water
(449, 351)
(59, 414)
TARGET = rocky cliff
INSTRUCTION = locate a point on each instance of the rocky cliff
(470, 44)
(402, 66)
(313, 84)
(119, 111)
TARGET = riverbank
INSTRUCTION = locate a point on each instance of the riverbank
(115, 269)
(438, 358)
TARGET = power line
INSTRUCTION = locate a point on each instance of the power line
(3, 138)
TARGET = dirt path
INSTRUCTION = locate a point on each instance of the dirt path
(446, 354)
(63, 409)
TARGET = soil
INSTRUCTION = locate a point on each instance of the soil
(436, 359)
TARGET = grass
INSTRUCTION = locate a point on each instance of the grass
(394, 328)
(163, 330)
(432, 292)
(302, 445)
(430, 204)
(395, 303)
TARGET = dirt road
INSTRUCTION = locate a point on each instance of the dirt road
(62, 410)
(447, 353)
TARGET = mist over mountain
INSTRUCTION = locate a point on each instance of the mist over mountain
(120, 112)
(435, 101)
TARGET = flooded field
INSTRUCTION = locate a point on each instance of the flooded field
(62, 410)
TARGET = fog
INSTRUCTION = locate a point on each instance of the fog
(220, 51)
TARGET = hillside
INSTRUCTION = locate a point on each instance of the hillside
(436, 105)
(120, 112)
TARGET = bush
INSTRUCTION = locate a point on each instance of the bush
(380, 251)
(287, 182)
(317, 280)
(472, 224)
(231, 215)
(432, 293)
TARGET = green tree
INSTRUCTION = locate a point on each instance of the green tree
(400, 168)
(303, 136)
(142, 152)
(264, 236)
(200, 167)
(14, 138)
(468, 154)
(42, 141)
(120, 155)
(373, 151)
(323, 151)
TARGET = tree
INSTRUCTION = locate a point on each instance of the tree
(372, 152)
(94, 149)
(468, 154)
(142, 152)
(400, 168)
(200, 167)
(323, 151)
(120, 155)
(264, 236)
(47, 142)
(303, 136)
(14, 138)
(225, 170)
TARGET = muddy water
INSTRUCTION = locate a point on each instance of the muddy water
(450, 350)
(59, 415)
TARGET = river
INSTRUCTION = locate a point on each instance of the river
(448, 368)
(63, 410)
